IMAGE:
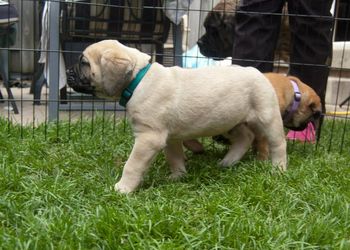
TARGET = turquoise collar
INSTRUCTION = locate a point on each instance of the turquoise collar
(129, 90)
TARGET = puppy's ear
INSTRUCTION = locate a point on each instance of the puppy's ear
(116, 68)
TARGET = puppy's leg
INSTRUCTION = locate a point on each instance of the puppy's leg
(176, 159)
(241, 138)
(194, 145)
(261, 147)
(278, 148)
(145, 148)
(274, 133)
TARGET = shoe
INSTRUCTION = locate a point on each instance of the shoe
(307, 135)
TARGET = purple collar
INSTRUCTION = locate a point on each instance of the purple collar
(297, 97)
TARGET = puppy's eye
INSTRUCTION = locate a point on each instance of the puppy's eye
(83, 61)
(316, 113)
(313, 107)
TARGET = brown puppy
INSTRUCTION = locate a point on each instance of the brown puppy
(219, 26)
(309, 110)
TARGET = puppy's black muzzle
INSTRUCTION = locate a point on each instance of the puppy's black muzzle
(77, 82)
(212, 48)
(314, 119)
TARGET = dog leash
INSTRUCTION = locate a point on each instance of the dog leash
(296, 102)
(129, 90)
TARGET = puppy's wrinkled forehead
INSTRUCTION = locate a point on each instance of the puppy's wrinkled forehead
(96, 50)
(108, 48)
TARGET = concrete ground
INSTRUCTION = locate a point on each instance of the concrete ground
(29, 113)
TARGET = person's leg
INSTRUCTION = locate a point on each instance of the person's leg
(311, 25)
(256, 32)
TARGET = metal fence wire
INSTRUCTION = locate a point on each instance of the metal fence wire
(40, 39)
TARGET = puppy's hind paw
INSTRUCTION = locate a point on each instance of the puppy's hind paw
(177, 175)
(122, 188)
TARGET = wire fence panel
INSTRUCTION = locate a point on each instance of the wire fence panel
(41, 39)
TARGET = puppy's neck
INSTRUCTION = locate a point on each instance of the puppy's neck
(294, 100)
(129, 90)
(141, 60)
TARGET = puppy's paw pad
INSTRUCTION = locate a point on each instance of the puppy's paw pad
(122, 188)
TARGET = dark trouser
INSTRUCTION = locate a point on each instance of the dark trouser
(311, 26)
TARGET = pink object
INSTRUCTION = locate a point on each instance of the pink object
(307, 135)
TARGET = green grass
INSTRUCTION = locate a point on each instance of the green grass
(56, 191)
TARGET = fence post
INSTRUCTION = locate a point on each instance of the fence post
(53, 79)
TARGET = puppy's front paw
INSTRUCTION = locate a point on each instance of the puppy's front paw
(122, 188)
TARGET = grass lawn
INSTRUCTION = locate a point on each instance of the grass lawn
(56, 192)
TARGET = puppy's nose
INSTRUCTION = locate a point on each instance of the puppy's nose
(70, 72)
(71, 77)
